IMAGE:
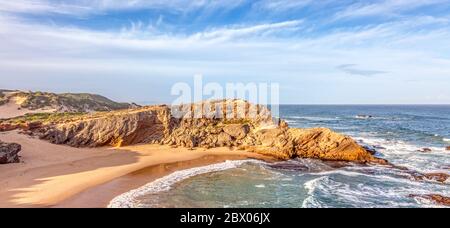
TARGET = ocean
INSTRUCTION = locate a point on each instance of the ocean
(397, 132)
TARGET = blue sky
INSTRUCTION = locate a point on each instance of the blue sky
(319, 51)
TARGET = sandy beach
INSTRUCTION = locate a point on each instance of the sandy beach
(60, 176)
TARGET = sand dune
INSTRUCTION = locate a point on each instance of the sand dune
(55, 175)
(12, 109)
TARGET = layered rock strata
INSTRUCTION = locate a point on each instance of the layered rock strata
(226, 123)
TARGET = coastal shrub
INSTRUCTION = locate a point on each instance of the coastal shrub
(44, 118)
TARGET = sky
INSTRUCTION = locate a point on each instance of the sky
(318, 51)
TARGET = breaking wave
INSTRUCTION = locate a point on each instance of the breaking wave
(128, 199)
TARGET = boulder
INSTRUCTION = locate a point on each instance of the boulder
(8, 127)
(237, 131)
(370, 149)
(322, 143)
(224, 139)
(447, 148)
(9, 152)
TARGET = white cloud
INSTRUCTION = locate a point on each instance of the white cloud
(385, 7)
(42, 6)
(84, 7)
(224, 34)
(400, 49)
(282, 5)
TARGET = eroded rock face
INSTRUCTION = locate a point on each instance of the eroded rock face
(145, 125)
(9, 152)
(325, 144)
(318, 143)
(217, 127)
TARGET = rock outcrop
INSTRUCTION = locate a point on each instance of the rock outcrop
(226, 123)
(439, 177)
(447, 148)
(121, 128)
(436, 198)
(9, 152)
(425, 150)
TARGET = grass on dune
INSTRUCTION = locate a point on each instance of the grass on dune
(44, 118)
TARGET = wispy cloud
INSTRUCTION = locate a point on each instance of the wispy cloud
(300, 53)
(283, 5)
(84, 7)
(384, 7)
(224, 34)
(354, 70)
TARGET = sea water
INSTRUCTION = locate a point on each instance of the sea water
(396, 132)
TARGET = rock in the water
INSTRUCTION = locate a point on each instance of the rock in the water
(371, 150)
(364, 116)
(439, 177)
(425, 150)
(322, 143)
(436, 198)
(447, 148)
(9, 152)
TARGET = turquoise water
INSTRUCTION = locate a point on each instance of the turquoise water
(397, 132)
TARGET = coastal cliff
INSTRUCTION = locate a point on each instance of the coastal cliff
(221, 124)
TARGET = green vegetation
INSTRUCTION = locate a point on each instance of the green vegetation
(44, 118)
(3, 99)
(90, 101)
(71, 102)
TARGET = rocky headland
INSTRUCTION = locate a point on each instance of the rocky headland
(232, 127)
(226, 123)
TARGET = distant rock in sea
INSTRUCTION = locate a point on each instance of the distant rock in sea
(425, 150)
(364, 116)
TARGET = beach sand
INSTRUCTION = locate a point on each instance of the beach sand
(60, 176)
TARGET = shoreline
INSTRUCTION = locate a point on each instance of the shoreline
(52, 175)
(101, 196)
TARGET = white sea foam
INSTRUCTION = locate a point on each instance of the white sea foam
(312, 184)
(407, 154)
(394, 145)
(260, 186)
(446, 140)
(128, 199)
(313, 118)
(362, 195)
